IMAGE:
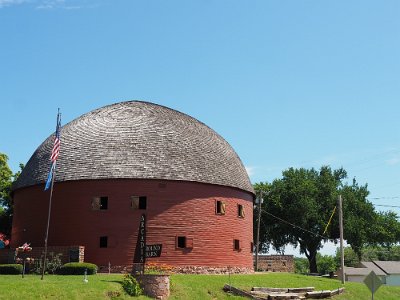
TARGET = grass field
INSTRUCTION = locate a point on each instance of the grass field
(182, 286)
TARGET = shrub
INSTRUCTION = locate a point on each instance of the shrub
(12, 269)
(131, 286)
(53, 264)
(301, 265)
(326, 264)
(76, 268)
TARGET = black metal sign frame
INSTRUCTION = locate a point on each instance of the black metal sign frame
(142, 240)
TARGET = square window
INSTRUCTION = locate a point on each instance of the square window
(220, 208)
(103, 242)
(139, 202)
(181, 242)
(240, 211)
(236, 245)
(100, 203)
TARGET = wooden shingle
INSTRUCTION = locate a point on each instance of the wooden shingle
(138, 140)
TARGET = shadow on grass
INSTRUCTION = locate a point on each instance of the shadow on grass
(113, 294)
(116, 281)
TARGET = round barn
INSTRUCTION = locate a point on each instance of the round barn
(133, 159)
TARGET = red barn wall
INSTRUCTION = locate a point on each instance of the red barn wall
(174, 208)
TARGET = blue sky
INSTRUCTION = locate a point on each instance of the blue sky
(286, 83)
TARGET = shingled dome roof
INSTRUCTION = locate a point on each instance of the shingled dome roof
(138, 140)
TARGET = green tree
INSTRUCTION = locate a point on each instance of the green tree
(5, 197)
(297, 207)
(301, 265)
(369, 253)
(5, 181)
(6, 204)
(359, 217)
(350, 257)
(386, 231)
(326, 264)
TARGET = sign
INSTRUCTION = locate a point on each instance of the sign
(142, 239)
(373, 282)
(153, 250)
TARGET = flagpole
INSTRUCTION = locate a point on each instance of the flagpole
(48, 221)
(53, 173)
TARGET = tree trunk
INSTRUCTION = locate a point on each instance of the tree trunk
(311, 255)
(312, 260)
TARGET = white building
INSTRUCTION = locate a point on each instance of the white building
(387, 271)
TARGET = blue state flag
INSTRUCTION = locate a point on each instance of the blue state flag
(49, 177)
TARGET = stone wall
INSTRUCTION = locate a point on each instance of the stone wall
(276, 263)
(179, 270)
(68, 253)
(212, 270)
(154, 286)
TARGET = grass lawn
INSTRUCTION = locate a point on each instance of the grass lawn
(210, 286)
(63, 287)
(103, 286)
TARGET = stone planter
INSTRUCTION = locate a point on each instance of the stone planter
(154, 285)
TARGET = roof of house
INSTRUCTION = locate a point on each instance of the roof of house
(139, 140)
(350, 271)
(390, 267)
(373, 267)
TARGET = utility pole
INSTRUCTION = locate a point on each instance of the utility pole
(258, 228)
(341, 237)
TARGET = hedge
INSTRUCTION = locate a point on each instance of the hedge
(76, 268)
(13, 269)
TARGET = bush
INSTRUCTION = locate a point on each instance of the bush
(131, 286)
(53, 264)
(301, 265)
(326, 264)
(78, 269)
(12, 269)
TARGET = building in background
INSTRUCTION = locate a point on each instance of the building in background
(387, 271)
(276, 263)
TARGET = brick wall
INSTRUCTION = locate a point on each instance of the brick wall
(69, 253)
(276, 263)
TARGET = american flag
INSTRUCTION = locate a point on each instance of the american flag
(54, 152)
(56, 147)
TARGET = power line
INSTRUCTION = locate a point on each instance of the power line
(384, 205)
(378, 198)
(294, 225)
(386, 198)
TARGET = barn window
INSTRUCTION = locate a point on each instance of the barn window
(184, 242)
(138, 202)
(181, 242)
(103, 241)
(100, 203)
(220, 208)
(240, 211)
(236, 245)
